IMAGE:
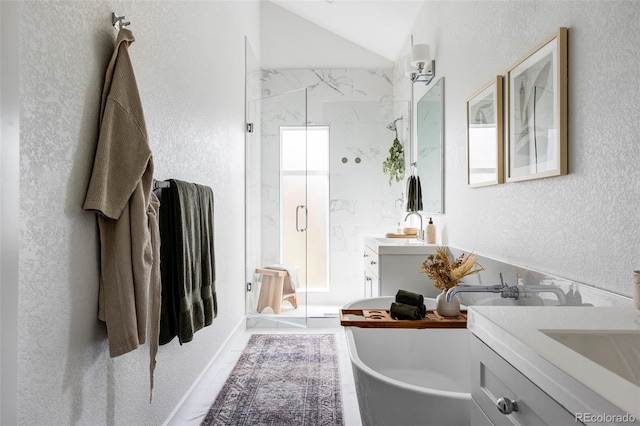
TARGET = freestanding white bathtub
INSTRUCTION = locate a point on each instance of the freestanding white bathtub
(410, 376)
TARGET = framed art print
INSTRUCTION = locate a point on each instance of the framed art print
(484, 135)
(537, 112)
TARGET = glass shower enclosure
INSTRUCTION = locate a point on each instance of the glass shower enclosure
(280, 215)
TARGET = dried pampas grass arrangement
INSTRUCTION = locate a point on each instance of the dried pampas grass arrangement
(445, 273)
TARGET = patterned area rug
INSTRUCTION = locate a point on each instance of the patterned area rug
(282, 379)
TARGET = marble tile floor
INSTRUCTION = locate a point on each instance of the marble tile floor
(197, 404)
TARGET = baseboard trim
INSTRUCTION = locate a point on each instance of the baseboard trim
(237, 331)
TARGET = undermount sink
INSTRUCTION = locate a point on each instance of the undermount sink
(617, 351)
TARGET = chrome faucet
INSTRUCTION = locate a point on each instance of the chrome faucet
(421, 229)
(511, 292)
(526, 290)
(477, 289)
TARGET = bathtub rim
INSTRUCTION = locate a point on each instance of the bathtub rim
(355, 359)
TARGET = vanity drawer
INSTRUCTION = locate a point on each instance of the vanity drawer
(492, 378)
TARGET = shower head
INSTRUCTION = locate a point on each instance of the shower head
(392, 126)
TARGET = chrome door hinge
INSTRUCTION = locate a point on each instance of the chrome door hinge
(248, 286)
(249, 127)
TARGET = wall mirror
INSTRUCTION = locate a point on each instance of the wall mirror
(430, 142)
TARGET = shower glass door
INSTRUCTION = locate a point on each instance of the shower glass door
(276, 207)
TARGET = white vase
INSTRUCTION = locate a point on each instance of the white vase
(447, 309)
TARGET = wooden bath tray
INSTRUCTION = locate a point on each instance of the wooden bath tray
(379, 318)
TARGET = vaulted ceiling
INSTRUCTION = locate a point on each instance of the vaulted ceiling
(380, 26)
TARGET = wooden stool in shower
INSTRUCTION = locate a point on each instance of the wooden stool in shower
(276, 287)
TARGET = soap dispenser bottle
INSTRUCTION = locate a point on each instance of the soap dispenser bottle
(431, 232)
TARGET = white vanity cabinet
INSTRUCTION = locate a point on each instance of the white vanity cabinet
(391, 266)
(514, 359)
(495, 384)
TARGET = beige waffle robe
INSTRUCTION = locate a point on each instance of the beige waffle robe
(120, 191)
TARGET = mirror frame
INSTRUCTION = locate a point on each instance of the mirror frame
(439, 82)
(489, 95)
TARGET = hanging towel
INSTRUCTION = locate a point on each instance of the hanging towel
(188, 264)
(291, 270)
(168, 272)
(187, 252)
(410, 188)
(418, 194)
(207, 258)
(414, 194)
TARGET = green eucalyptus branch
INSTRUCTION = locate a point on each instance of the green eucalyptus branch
(394, 164)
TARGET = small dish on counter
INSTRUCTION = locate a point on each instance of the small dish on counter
(410, 231)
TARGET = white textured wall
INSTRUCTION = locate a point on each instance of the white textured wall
(584, 226)
(189, 63)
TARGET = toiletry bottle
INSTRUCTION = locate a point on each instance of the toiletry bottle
(399, 229)
(431, 232)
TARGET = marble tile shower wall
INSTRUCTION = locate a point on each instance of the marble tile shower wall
(357, 105)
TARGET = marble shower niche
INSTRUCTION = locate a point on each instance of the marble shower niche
(356, 105)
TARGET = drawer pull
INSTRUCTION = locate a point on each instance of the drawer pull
(373, 262)
(506, 405)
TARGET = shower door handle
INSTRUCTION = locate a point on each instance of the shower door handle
(306, 218)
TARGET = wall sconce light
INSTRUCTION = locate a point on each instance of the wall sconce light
(419, 67)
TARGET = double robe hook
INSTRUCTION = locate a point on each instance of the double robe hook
(118, 22)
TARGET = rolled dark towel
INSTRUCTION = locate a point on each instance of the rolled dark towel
(409, 298)
(401, 311)
(423, 311)
(414, 299)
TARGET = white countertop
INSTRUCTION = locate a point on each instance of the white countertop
(567, 376)
(382, 245)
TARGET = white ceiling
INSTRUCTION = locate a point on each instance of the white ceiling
(381, 26)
